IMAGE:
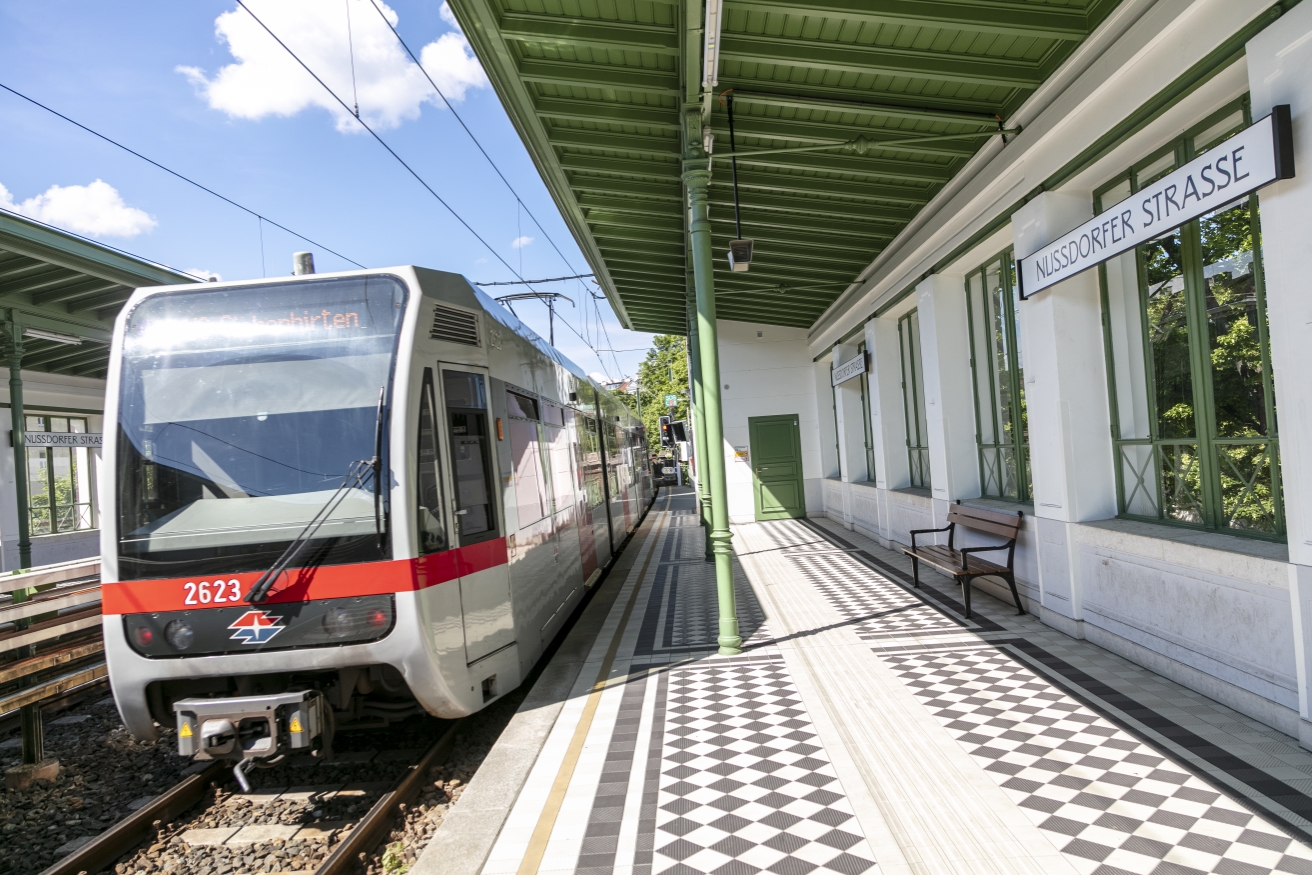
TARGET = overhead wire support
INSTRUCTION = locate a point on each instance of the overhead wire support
(380, 140)
(178, 175)
(554, 279)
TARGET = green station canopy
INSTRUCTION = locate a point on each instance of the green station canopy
(57, 285)
(596, 89)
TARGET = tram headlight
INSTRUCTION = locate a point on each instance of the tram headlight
(339, 622)
(179, 634)
(143, 636)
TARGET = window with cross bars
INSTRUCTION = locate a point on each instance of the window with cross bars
(1189, 367)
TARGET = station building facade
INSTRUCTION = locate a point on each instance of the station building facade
(59, 296)
(1149, 416)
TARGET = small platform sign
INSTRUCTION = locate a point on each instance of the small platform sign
(853, 367)
(62, 439)
(671, 400)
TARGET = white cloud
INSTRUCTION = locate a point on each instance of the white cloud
(204, 274)
(266, 80)
(96, 210)
(521, 242)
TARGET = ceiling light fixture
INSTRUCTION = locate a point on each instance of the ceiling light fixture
(53, 336)
(711, 54)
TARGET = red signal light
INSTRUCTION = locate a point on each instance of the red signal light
(143, 636)
(377, 618)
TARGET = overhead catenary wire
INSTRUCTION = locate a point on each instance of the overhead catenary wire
(178, 175)
(380, 140)
(456, 115)
(554, 279)
(420, 179)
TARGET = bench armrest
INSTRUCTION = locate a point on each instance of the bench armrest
(965, 553)
(915, 532)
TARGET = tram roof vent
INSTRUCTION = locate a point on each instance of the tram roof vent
(454, 326)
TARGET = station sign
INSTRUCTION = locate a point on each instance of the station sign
(849, 369)
(1258, 155)
(62, 439)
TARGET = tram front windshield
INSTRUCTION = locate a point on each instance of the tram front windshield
(241, 412)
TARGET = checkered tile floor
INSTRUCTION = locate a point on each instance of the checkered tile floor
(887, 610)
(1105, 798)
(713, 766)
(745, 785)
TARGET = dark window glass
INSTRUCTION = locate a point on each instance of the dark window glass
(521, 406)
(471, 461)
(432, 529)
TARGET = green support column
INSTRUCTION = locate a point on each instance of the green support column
(698, 405)
(18, 421)
(697, 179)
(29, 715)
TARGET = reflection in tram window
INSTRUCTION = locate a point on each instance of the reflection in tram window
(530, 484)
(521, 405)
(432, 531)
(466, 402)
(239, 419)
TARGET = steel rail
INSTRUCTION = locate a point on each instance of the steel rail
(120, 838)
(370, 830)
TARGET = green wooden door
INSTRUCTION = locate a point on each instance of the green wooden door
(776, 457)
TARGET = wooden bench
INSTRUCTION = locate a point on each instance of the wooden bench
(964, 565)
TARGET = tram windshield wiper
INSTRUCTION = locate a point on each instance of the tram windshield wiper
(355, 477)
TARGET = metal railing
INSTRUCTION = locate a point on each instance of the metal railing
(50, 641)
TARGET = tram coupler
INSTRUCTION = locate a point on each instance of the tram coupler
(248, 728)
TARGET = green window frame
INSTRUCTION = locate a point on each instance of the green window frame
(867, 428)
(998, 373)
(66, 473)
(1185, 334)
(913, 399)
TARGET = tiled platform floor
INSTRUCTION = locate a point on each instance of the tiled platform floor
(869, 728)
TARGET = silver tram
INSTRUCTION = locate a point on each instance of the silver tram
(343, 498)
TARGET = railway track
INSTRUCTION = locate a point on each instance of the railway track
(232, 839)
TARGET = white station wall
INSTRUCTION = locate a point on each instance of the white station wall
(765, 370)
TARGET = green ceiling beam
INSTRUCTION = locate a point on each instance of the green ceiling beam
(891, 192)
(642, 145)
(804, 132)
(1012, 19)
(878, 60)
(83, 305)
(657, 222)
(615, 202)
(757, 201)
(606, 77)
(641, 235)
(795, 184)
(635, 144)
(817, 96)
(69, 292)
(667, 192)
(667, 171)
(883, 105)
(608, 113)
(593, 33)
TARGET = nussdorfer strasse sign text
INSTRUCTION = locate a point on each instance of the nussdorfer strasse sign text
(1256, 156)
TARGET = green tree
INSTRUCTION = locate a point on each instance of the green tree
(663, 372)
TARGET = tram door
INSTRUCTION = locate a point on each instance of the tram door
(485, 577)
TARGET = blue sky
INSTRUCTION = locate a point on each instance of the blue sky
(197, 87)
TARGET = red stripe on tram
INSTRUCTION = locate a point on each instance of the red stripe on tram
(303, 584)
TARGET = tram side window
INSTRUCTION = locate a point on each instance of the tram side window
(530, 484)
(590, 450)
(471, 463)
(432, 530)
